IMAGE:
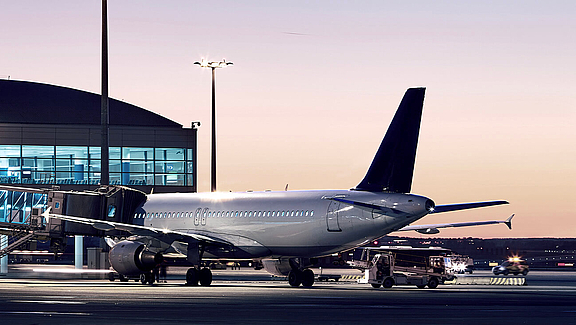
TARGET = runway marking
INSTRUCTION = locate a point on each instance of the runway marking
(49, 302)
(45, 313)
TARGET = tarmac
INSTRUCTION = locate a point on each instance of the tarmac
(253, 297)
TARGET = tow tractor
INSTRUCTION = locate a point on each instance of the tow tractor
(383, 271)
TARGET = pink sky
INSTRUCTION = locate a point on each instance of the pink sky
(314, 86)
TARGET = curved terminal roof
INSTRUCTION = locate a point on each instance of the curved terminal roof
(36, 103)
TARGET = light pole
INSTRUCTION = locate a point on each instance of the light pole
(213, 65)
(104, 112)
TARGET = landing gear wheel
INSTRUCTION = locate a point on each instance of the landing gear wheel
(376, 285)
(149, 278)
(433, 283)
(388, 283)
(295, 278)
(307, 278)
(205, 277)
(111, 277)
(146, 278)
(122, 278)
(192, 277)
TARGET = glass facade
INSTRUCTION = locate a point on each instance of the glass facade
(16, 207)
(22, 164)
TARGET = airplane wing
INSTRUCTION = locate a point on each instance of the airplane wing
(165, 235)
(433, 228)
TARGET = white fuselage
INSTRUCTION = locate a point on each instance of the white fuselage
(282, 224)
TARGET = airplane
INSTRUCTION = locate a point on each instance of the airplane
(286, 230)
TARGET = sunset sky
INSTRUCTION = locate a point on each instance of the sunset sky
(315, 84)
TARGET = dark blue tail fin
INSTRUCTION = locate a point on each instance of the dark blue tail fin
(393, 165)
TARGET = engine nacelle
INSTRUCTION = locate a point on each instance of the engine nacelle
(131, 258)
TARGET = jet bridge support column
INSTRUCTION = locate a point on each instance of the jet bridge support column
(4, 260)
(78, 252)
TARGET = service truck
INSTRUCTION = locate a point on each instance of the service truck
(382, 271)
(388, 268)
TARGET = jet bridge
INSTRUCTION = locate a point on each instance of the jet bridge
(110, 203)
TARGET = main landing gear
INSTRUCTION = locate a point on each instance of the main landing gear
(195, 276)
(147, 278)
(198, 274)
(304, 278)
(300, 275)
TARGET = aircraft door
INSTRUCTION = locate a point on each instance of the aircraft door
(332, 217)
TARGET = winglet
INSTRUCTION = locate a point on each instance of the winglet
(508, 222)
(393, 165)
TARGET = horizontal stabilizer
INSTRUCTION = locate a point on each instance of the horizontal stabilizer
(465, 206)
(433, 228)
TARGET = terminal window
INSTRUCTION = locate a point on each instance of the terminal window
(82, 165)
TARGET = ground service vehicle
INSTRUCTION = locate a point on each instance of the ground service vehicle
(459, 264)
(513, 265)
(383, 271)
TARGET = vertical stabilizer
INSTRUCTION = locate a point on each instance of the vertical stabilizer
(393, 165)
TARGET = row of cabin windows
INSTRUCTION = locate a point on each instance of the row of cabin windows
(225, 214)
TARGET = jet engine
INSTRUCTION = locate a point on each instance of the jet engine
(132, 258)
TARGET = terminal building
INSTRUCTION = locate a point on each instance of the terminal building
(51, 136)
